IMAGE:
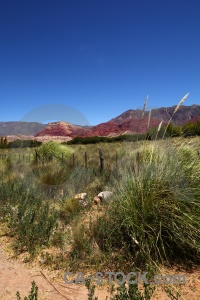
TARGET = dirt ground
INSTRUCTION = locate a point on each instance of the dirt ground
(17, 276)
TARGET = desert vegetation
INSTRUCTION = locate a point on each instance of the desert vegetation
(151, 219)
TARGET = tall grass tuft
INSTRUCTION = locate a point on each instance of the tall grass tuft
(144, 107)
(149, 118)
(177, 107)
(51, 150)
(159, 127)
(156, 212)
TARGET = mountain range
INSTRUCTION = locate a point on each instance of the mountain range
(131, 121)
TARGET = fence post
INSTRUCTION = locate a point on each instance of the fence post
(73, 160)
(101, 159)
(62, 157)
(36, 155)
(85, 159)
(116, 160)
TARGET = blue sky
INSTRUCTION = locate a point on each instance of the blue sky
(99, 58)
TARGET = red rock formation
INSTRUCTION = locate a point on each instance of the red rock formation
(194, 120)
(129, 122)
(63, 129)
(103, 129)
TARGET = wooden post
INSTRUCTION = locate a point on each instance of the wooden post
(36, 155)
(19, 157)
(101, 159)
(116, 160)
(62, 157)
(73, 160)
(85, 159)
(29, 157)
(23, 157)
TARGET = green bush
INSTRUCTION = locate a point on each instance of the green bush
(50, 150)
(33, 295)
(99, 139)
(191, 129)
(24, 144)
(156, 212)
(173, 130)
(32, 223)
(70, 208)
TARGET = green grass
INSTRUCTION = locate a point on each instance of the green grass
(154, 216)
(156, 212)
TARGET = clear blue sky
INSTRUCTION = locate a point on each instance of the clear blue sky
(98, 57)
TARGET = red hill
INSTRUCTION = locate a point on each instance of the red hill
(129, 122)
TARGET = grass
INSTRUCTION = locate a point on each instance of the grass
(50, 150)
(157, 210)
(153, 219)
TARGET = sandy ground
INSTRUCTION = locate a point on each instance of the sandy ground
(17, 276)
(14, 276)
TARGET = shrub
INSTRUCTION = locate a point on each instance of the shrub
(33, 295)
(32, 223)
(24, 144)
(50, 150)
(173, 130)
(156, 212)
(191, 129)
(70, 208)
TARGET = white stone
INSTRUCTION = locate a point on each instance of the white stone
(105, 194)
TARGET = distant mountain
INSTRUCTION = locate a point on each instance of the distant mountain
(129, 126)
(20, 128)
(129, 122)
(183, 115)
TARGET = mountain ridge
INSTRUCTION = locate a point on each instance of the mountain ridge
(128, 122)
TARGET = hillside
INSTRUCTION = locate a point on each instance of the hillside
(128, 122)
(183, 115)
(63, 129)
(20, 128)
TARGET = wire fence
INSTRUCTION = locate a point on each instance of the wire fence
(39, 159)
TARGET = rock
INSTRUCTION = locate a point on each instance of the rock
(105, 195)
(83, 203)
(81, 196)
(96, 200)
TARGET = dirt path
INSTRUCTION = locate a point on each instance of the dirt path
(16, 276)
